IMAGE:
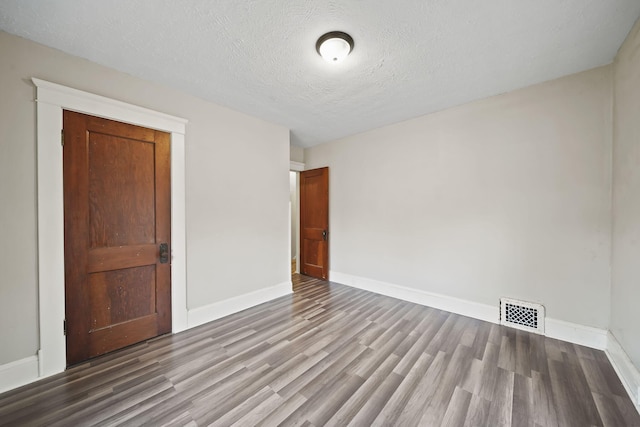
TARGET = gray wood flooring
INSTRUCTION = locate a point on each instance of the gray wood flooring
(333, 355)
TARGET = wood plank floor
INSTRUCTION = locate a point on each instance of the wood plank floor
(333, 355)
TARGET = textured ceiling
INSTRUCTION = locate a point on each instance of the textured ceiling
(411, 57)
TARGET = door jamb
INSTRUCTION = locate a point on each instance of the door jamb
(51, 100)
(296, 167)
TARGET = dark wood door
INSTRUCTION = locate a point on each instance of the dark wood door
(117, 207)
(314, 223)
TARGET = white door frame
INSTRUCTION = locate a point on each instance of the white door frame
(52, 99)
(296, 167)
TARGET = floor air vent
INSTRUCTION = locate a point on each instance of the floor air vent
(523, 315)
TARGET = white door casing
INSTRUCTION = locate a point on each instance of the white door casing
(52, 99)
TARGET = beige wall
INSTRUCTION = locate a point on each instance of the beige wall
(297, 154)
(237, 228)
(508, 196)
(625, 295)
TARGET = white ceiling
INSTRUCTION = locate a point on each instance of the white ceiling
(411, 57)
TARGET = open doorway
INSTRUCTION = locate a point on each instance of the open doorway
(294, 213)
(309, 222)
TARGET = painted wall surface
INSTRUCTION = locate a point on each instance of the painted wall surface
(297, 154)
(625, 295)
(508, 196)
(236, 228)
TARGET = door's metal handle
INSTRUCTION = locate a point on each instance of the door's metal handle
(324, 234)
(164, 253)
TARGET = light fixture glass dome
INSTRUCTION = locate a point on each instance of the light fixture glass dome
(334, 46)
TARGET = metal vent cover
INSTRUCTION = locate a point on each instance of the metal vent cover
(523, 315)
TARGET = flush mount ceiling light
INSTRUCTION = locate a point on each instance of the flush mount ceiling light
(334, 46)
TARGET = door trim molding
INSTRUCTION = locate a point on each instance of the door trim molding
(51, 100)
(296, 166)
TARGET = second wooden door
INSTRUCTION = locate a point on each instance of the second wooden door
(314, 223)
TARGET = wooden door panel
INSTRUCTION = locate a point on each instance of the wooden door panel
(104, 259)
(122, 295)
(120, 189)
(117, 213)
(314, 223)
(315, 212)
(98, 125)
(314, 233)
(313, 252)
(122, 335)
(313, 260)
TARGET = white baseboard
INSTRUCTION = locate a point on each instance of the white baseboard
(559, 329)
(208, 313)
(18, 373)
(575, 333)
(442, 302)
(624, 367)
